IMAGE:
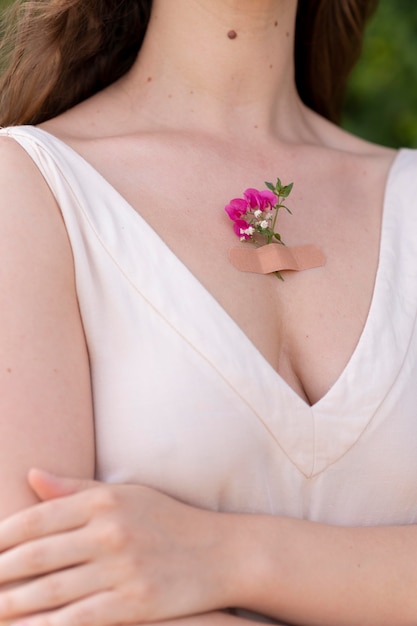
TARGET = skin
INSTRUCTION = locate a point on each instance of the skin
(228, 118)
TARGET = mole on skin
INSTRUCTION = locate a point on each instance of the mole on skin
(232, 34)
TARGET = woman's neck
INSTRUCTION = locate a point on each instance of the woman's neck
(230, 61)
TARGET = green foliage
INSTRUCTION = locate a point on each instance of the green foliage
(381, 103)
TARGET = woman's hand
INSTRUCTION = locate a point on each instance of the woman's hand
(217, 618)
(102, 554)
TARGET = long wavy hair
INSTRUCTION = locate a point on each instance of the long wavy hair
(56, 53)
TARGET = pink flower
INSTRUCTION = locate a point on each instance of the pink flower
(241, 225)
(236, 208)
(254, 216)
(264, 200)
(243, 210)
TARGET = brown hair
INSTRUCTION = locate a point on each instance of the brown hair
(328, 42)
(57, 53)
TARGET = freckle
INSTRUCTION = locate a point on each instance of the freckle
(149, 79)
(9, 371)
(275, 24)
(287, 34)
(232, 34)
(170, 95)
(191, 92)
(256, 126)
(270, 67)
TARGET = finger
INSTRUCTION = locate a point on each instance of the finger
(100, 609)
(45, 555)
(47, 485)
(49, 592)
(54, 516)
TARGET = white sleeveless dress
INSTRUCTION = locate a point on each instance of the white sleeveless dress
(185, 403)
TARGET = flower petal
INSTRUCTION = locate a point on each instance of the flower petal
(236, 208)
(267, 199)
(241, 225)
(253, 197)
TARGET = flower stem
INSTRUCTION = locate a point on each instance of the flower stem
(278, 206)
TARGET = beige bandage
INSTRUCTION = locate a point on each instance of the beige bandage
(276, 258)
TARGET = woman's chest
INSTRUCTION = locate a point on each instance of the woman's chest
(197, 403)
(307, 326)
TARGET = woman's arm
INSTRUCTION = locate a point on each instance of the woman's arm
(217, 618)
(320, 575)
(140, 556)
(45, 403)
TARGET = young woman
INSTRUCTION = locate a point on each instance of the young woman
(254, 441)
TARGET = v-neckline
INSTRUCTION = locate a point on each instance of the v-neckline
(375, 293)
(251, 346)
(312, 437)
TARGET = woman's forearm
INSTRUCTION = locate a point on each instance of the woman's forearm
(315, 574)
(217, 618)
(171, 560)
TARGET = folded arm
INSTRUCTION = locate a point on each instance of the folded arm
(309, 573)
(138, 556)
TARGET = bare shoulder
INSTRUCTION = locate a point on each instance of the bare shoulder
(27, 204)
(13, 159)
(94, 118)
(336, 138)
(356, 165)
(45, 403)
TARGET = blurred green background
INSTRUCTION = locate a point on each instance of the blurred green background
(381, 103)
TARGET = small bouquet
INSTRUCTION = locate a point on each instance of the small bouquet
(255, 215)
(254, 220)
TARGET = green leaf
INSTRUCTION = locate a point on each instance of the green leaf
(285, 191)
(270, 186)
